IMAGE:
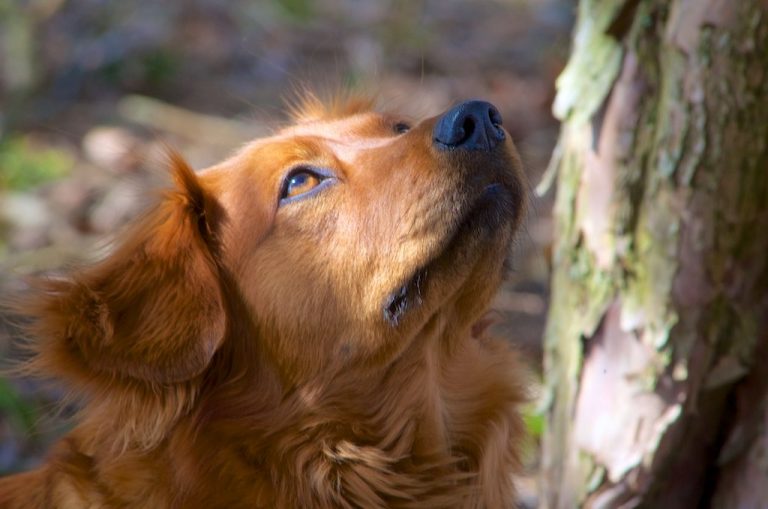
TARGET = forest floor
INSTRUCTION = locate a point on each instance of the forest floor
(92, 92)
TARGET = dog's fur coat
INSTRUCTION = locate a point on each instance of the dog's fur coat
(232, 350)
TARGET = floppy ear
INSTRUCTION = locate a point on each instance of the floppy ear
(153, 309)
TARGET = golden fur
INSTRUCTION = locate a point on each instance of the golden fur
(232, 353)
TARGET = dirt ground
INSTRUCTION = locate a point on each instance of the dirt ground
(92, 91)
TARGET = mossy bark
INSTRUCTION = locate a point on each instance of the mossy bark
(657, 338)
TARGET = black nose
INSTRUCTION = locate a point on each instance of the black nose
(472, 125)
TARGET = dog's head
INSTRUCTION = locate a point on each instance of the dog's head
(337, 241)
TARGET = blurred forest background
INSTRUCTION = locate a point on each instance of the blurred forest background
(91, 93)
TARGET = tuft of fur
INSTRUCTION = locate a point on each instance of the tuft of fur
(308, 106)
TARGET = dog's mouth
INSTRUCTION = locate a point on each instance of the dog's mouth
(405, 298)
(488, 212)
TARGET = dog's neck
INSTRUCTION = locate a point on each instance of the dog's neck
(395, 424)
(407, 423)
(409, 384)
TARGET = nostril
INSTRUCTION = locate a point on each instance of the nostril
(467, 128)
(471, 125)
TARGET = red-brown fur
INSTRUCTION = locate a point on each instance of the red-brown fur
(233, 353)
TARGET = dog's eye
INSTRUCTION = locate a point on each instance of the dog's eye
(302, 181)
(401, 127)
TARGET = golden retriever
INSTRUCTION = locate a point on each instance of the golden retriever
(299, 326)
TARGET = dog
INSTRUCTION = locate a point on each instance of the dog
(299, 326)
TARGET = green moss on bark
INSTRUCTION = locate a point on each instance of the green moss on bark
(686, 226)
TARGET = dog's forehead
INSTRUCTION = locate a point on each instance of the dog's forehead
(345, 136)
(356, 125)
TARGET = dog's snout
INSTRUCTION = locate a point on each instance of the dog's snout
(471, 125)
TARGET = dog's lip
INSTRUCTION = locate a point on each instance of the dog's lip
(405, 298)
(408, 296)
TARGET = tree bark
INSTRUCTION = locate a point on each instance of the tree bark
(657, 338)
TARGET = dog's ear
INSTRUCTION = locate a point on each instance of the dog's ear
(153, 309)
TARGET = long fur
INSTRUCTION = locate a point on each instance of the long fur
(230, 352)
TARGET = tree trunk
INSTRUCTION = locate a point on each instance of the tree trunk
(657, 339)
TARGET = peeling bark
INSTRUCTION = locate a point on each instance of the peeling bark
(658, 325)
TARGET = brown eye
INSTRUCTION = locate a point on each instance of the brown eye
(302, 182)
(401, 128)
